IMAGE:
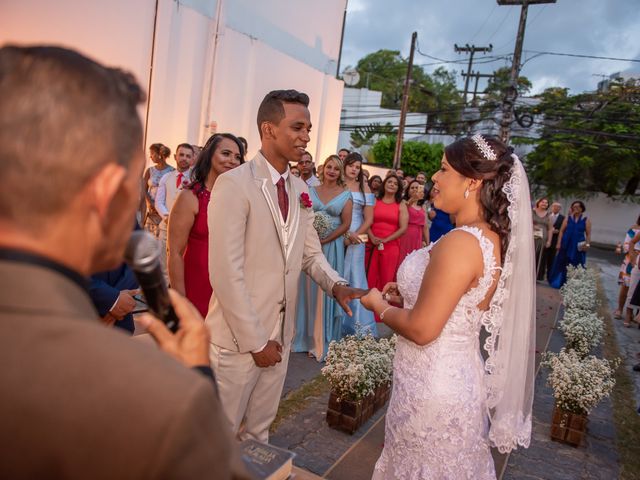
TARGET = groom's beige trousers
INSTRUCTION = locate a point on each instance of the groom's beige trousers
(245, 387)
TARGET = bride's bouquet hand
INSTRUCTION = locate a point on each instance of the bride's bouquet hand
(391, 293)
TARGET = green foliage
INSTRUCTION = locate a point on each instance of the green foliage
(364, 135)
(589, 142)
(501, 80)
(416, 156)
(435, 94)
(497, 88)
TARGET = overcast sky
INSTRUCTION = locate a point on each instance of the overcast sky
(608, 28)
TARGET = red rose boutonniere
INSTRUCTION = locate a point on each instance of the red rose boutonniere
(305, 201)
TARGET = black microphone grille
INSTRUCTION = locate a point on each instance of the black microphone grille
(142, 252)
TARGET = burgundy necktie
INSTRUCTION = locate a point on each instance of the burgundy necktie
(179, 180)
(283, 198)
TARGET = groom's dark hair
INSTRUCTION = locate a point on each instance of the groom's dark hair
(272, 109)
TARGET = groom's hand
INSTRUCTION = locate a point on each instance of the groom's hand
(269, 355)
(344, 295)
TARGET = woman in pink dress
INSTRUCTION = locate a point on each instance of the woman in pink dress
(188, 232)
(390, 218)
(417, 234)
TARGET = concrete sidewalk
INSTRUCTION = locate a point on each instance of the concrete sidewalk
(595, 459)
(628, 339)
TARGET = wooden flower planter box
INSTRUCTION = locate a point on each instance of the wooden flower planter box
(567, 427)
(349, 415)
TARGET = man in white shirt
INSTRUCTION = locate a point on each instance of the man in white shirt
(305, 165)
(168, 189)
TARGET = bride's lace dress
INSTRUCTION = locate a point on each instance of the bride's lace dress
(436, 426)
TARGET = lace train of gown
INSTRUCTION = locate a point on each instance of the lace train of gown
(437, 424)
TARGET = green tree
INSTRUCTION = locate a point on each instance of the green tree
(589, 142)
(365, 135)
(416, 156)
(436, 94)
(497, 87)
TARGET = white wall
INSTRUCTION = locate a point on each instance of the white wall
(278, 44)
(120, 33)
(213, 60)
(105, 31)
(610, 219)
(179, 84)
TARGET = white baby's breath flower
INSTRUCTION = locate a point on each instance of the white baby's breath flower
(323, 225)
(582, 329)
(578, 383)
(359, 363)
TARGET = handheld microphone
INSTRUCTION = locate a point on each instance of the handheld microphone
(143, 256)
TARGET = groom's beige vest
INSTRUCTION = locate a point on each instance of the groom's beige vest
(255, 260)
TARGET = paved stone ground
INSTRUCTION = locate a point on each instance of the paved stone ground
(549, 460)
(317, 447)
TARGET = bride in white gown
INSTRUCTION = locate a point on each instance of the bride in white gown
(448, 406)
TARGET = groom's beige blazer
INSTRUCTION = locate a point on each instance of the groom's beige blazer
(255, 258)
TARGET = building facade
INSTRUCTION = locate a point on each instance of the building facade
(206, 64)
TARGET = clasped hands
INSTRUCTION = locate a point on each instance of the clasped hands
(375, 299)
(271, 354)
(190, 344)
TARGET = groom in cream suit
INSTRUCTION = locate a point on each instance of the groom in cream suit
(261, 237)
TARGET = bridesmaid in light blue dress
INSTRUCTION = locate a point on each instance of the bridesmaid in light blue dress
(354, 267)
(318, 315)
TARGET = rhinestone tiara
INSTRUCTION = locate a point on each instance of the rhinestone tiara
(485, 149)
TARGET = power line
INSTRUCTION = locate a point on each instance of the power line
(538, 14)
(596, 57)
(484, 23)
(484, 59)
(509, 10)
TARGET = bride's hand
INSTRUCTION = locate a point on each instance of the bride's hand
(391, 288)
(391, 293)
(371, 299)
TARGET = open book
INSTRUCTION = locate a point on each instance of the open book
(266, 462)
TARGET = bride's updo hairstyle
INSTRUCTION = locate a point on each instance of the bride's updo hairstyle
(492, 165)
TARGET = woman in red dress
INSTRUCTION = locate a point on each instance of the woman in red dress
(188, 232)
(417, 233)
(390, 219)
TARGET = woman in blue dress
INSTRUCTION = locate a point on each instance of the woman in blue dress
(440, 223)
(573, 241)
(318, 315)
(355, 239)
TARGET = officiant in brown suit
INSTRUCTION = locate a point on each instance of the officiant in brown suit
(80, 400)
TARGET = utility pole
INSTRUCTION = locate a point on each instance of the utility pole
(512, 90)
(477, 76)
(405, 104)
(472, 50)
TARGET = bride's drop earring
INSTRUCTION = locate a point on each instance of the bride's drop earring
(466, 193)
